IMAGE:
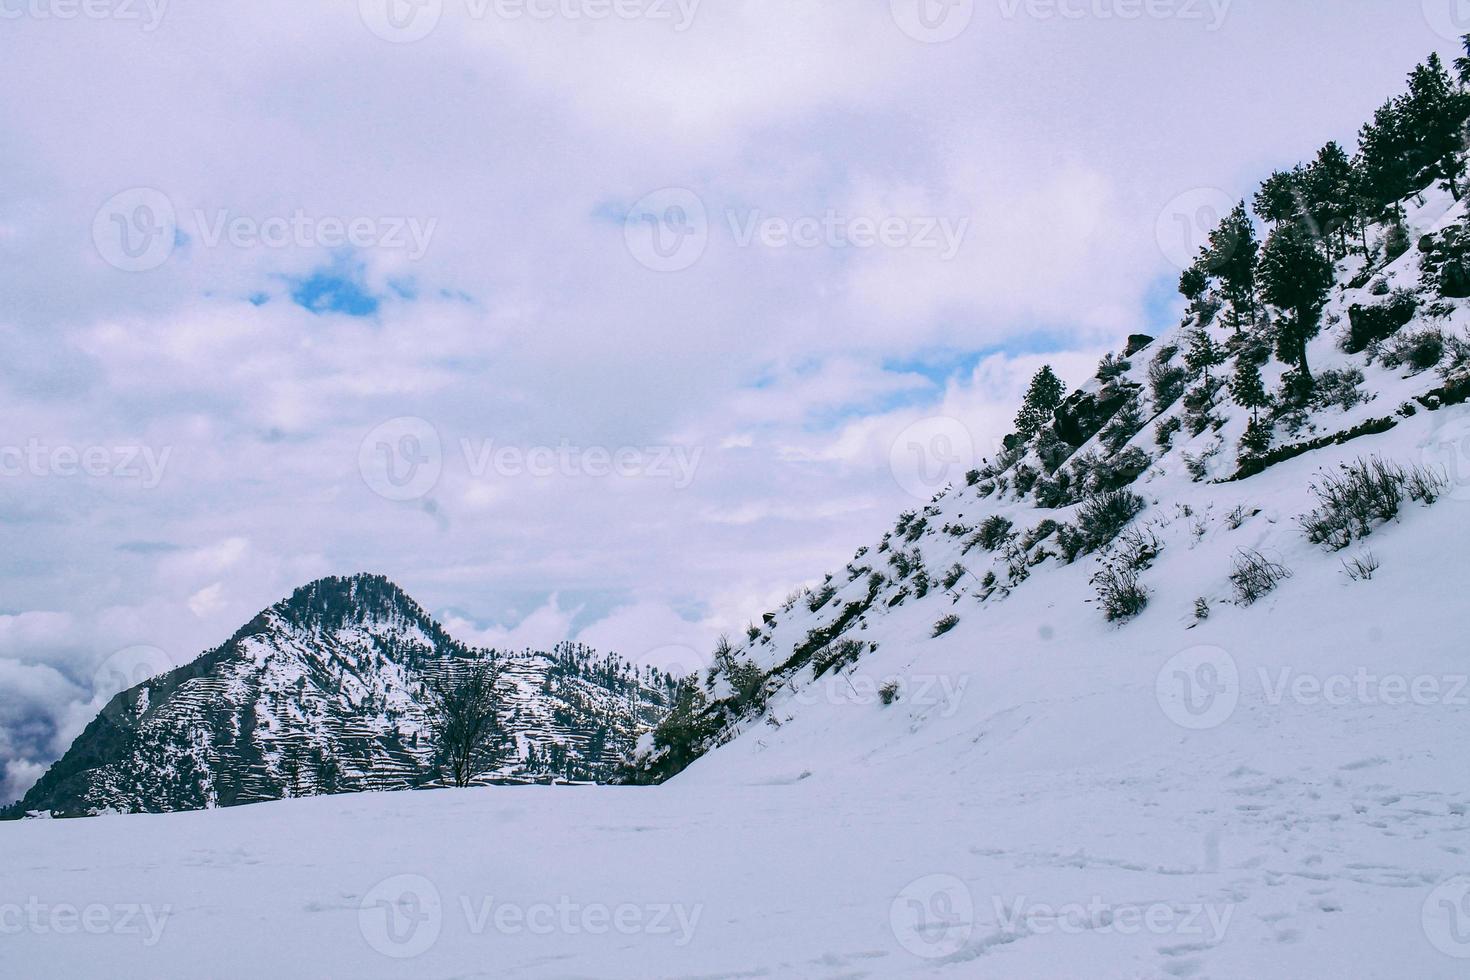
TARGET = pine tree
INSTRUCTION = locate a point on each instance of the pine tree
(1233, 250)
(1257, 438)
(1203, 353)
(1247, 389)
(1295, 278)
(1276, 201)
(1042, 399)
(1193, 283)
(1385, 147)
(1329, 189)
(1434, 113)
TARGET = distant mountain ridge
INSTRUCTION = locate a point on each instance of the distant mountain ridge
(322, 693)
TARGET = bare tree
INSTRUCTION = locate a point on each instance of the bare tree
(463, 711)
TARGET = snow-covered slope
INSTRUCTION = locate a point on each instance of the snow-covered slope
(1111, 709)
(323, 693)
(1274, 789)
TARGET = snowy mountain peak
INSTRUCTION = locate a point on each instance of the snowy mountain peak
(323, 692)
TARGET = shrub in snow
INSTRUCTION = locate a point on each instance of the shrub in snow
(945, 625)
(1361, 568)
(1457, 358)
(1137, 548)
(1338, 388)
(1367, 493)
(821, 597)
(888, 693)
(1118, 592)
(1038, 534)
(1167, 380)
(1071, 541)
(994, 532)
(1104, 516)
(1420, 350)
(1111, 367)
(1255, 576)
(1120, 470)
(1166, 430)
(953, 576)
(1026, 478)
(838, 656)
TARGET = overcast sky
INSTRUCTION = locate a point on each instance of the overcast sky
(579, 319)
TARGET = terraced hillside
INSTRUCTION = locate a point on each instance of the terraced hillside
(323, 693)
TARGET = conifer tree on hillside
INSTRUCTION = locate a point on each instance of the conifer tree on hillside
(1233, 251)
(1203, 353)
(1193, 284)
(1042, 399)
(1246, 387)
(1434, 119)
(1329, 188)
(1276, 201)
(1385, 160)
(1295, 278)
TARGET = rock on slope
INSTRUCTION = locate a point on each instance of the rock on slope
(321, 693)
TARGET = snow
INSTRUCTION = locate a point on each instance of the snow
(1030, 807)
(1279, 790)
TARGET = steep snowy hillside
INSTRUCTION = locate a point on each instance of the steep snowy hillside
(1141, 501)
(322, 693)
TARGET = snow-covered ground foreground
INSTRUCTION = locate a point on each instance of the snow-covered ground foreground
(1282, 791)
